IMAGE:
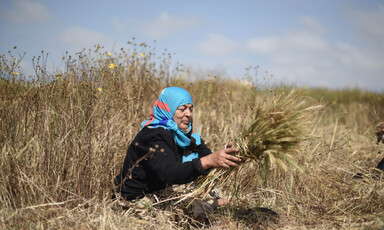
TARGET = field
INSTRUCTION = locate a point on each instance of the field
(64, 135)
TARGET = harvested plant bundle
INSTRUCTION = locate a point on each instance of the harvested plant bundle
(280, 123)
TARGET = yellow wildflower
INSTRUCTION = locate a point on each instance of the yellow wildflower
(100, 89)
(15, 73)
(109, 54)
(141, 55)
(112, 66)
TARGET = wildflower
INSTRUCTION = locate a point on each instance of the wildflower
(112, 66)
(141, 55)
(99, 89)
(109, 54)
(15, 73)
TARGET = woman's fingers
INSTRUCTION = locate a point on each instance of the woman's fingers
(231, 150)
(221, 158)
(229, 160)
(227, 164)
(231, 163)
(231, 157)
(234, 159)
(229, 145)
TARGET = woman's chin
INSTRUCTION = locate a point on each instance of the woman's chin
(183, 127)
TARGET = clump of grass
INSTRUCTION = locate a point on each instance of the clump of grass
(272, 141)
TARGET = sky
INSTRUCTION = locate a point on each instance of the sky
(306, 43)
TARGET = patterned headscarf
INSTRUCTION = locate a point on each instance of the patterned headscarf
(162, 116)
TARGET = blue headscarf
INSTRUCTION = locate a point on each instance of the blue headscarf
(162, 116)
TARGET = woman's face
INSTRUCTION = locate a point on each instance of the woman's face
(183, 116)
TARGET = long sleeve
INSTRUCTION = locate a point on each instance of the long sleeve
(154, 161)
(167, 166)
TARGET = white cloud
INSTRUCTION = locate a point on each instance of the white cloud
(371, 21)
(167, 24)
(308, 23)
(27, 12)
(162, 26)
(78, 38)
(306, 56)
(306, 38)
(218, 45)
(369, 25)
(264, 45)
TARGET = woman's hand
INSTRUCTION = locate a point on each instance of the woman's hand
(221, 158)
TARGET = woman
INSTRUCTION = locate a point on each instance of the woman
(167, 150)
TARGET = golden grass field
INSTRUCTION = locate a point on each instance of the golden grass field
(64, 136)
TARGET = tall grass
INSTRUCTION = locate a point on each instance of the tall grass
(64, 135)
(279, 125)
(64, 132)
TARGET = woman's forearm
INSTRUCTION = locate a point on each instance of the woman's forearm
(206, 162)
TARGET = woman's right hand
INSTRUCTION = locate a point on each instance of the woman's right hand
(221, 158)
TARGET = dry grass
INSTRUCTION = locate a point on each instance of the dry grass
(63, 138)
(272, 141)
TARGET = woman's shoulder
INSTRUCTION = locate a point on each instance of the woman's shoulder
(148, 134)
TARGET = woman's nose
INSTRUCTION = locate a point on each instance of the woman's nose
(188, 113)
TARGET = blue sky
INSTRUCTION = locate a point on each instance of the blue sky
(325, 43)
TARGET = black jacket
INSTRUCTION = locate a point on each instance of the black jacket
(154, 161)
